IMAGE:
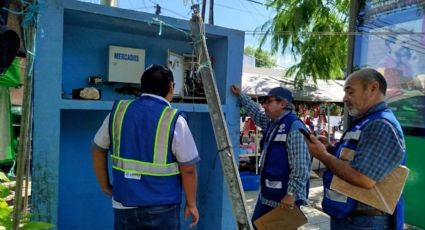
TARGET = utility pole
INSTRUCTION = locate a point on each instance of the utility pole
(354, 10)
(224, 146)
(157, 9)
(204, 3)
(211, 13)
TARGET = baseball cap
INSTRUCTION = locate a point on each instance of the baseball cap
(278, 92)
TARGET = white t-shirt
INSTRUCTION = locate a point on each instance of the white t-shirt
(183, 146)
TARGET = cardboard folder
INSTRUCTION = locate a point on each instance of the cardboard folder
(281, 218)
(383, 196)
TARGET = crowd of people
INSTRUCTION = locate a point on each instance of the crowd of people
(314, 115)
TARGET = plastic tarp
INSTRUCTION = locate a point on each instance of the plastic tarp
(259, 81)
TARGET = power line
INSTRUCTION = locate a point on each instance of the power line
(174, 12)
(260, 3)
(145, 7)
(240, 10)
(243, 5)
(330, 33)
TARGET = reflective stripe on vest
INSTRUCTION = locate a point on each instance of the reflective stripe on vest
(118, 118)
(268, 202)
(335, 196)
(159, 166)
(145, 168)
(162, 135)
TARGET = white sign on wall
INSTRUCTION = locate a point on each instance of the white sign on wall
(125, 64)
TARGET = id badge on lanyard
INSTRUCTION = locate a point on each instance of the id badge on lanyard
(266, 146)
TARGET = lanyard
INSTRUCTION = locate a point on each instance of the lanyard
(268, 140)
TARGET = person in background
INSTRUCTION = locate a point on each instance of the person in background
(309, 123)
(375, 140)
(249, 126)
(285, 162)
(153, 155)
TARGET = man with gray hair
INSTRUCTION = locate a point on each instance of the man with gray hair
(375, 143)
(285, 162)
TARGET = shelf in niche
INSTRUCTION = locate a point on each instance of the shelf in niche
(186, 107)
(107, 105)
(190, 107)
(86, 104)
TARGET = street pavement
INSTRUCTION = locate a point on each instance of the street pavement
(317, 219)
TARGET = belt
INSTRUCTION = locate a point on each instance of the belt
(368, 212)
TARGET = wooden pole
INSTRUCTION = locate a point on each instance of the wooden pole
(24, 146)
(204, 3)
(221, 133)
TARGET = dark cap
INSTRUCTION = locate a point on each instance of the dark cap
(278, 92)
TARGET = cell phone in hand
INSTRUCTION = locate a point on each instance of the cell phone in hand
(306, 134)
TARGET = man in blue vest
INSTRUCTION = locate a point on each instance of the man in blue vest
(285, 162)
(375, 143)
(153, 157)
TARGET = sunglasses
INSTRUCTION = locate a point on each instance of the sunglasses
(268, 101)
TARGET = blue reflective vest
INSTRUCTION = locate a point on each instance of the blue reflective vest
(145, 172)
(275, 169)
(339, 206)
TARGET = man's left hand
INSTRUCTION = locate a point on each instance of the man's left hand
(316, 148)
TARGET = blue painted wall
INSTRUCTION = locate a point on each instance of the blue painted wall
(72, 44)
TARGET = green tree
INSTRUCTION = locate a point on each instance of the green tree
(262, 58)
(314, 31)
(6, 221)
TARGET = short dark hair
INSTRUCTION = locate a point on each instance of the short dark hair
(369, 76)
(156, 80)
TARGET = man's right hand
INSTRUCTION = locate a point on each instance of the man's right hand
(236, 90)
(107, 190)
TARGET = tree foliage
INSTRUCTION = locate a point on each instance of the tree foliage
(6, 220)
(262, 58)
(313, 31)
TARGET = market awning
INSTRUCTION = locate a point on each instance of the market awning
(258, 81)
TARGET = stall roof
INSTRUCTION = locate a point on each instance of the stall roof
(258, 81)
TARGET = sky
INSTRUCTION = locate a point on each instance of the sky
(244, 15)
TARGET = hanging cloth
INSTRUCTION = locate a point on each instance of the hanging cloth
(6, 149)
(11, 78)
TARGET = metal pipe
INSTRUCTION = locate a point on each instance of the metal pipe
(113, 3)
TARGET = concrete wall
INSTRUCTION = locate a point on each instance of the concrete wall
(72, 44)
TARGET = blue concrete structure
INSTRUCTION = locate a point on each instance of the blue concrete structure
(72, 44)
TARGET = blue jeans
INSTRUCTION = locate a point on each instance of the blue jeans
(363, 223)
(165, 217)
(259, 210)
